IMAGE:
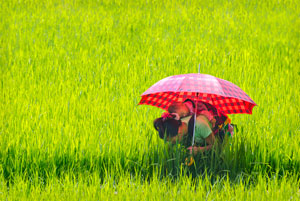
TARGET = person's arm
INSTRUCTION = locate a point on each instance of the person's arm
(209, 143)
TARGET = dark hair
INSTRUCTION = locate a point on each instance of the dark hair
(167, 127)
(189, 100)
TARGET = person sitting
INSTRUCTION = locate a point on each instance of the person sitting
(216, 118)
(187, 108)
(174, 130)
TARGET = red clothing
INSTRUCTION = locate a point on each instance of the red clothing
(201, 106)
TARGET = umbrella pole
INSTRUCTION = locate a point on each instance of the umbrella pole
(194, 127)
(195, 117)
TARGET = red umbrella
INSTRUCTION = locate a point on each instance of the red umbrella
(224, 95)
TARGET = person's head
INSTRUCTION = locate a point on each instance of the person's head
(179, 108)
(170, 128)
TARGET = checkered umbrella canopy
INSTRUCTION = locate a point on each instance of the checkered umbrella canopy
(224, 95)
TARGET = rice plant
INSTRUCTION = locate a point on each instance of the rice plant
(72, 73)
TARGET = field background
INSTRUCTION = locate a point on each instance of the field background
(71, 76)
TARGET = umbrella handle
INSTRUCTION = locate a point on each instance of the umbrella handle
(189, 160)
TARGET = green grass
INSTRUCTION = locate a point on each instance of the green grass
(72, 73)
(131, 189)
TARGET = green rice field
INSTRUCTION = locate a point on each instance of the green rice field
(71, 76)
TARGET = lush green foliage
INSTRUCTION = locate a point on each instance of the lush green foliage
(71, 77)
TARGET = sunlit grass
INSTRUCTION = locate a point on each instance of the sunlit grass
(71, 77)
